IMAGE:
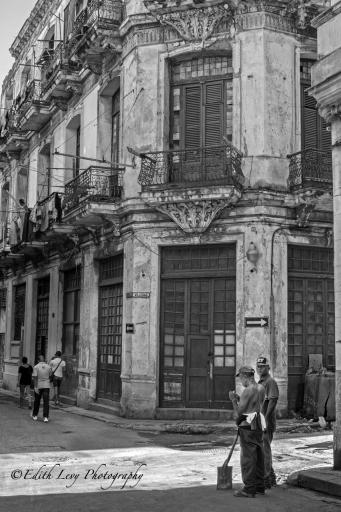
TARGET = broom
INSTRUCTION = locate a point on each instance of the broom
(224, 473)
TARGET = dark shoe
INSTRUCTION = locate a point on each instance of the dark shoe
(260, 491)
(243, 494)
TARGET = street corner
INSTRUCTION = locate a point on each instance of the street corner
(322, 479)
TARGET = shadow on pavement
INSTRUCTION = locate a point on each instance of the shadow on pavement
(191, 499)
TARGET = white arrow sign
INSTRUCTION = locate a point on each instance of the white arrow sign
(257, 322)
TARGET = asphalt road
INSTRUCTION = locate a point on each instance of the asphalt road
(168, 472)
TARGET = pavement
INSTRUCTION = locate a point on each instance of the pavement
(323, 479)
(191, 427)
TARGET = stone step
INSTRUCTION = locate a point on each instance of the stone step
(163, 413)
(106, 406)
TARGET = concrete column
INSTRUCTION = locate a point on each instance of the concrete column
(264, 65)
(30, 319)
(140, 349)
(336, 135)
(88, 334)
(54, 342)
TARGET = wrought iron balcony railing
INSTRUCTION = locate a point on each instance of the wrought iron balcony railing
(97, 184)
(104, 13)
(31, 96)
(214, 164)
(310, 169)
(53, 61)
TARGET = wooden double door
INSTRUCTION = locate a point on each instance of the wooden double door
(311, 315)
(198, 342)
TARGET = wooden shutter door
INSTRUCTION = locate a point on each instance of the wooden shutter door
(309, 120)
(192, 117)
(213, 129)
(214, 114)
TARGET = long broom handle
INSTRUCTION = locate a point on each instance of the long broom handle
(231, 451)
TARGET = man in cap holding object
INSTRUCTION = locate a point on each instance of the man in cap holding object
(251, 423)
(269, 411)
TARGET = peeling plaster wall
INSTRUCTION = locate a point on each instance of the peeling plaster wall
(141, 108)
(265, 101)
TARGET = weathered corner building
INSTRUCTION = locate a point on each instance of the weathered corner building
(166, 200)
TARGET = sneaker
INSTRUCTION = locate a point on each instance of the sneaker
(46, 420)
(34, 418)
(243, 494)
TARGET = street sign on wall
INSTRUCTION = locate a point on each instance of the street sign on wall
(261, 321)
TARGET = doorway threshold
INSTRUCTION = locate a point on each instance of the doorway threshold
(181, 413)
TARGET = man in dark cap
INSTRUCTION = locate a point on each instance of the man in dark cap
(269, 411)
(251, 423)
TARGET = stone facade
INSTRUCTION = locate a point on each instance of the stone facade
(151, 191)
(326, 87)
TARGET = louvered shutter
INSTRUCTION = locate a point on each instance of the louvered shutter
(214, 114)
(192, 116)
(325, 137)
(309, 120)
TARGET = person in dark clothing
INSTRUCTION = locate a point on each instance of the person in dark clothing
(251, 423)
(269, 411)
(24, 382)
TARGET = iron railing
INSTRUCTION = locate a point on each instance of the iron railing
(105, 14)
(201, 165)
(310, 168)
(31, 96)
(98, 184)
(54, 61)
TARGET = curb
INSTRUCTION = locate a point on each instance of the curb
(173, 427)
(324, 479)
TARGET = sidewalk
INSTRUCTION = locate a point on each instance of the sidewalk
(192, 427)
(323, 479)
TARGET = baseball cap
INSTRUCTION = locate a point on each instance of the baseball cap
(262, 361)
(245, 370)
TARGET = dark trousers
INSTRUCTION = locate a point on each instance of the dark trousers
(252, 459)
(45, 393)
(268, 469)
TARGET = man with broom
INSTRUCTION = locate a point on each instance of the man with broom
(251, 424)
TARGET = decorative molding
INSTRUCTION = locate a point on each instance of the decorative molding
(194, 24)
(195, 216)
(307, 202)
(331, 112)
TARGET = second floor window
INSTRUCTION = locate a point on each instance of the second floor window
(115, 127)
(313, 127)
(201, 102)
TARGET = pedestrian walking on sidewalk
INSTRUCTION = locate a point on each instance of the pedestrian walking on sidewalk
(269, 411)
(251, 424)
(41, 377)
(24, 382)
(57, 364)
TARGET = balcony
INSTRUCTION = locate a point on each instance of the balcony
(201, 166)
(310, 169)
(13, 138)
(93, 196)
(95, 30)
(59, 75)
(192, 186)
(32, 111)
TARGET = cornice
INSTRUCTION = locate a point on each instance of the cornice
(41, 9)
(326, 15)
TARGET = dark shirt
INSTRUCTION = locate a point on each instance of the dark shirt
(271, 391)
(25, 375)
